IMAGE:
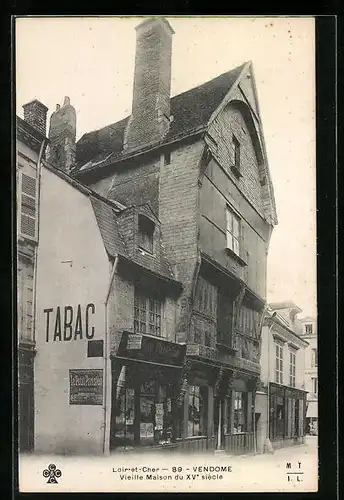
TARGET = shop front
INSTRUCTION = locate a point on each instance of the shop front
(287, 407)
(145, 389)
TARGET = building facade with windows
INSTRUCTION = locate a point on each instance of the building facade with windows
(282, 397)
(160, 250)
(309, 333)
(31, 142)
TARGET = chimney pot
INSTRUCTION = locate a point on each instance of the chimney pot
(66, 101)
(57, 107)
(35, 114)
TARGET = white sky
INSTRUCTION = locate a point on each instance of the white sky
(92, 61)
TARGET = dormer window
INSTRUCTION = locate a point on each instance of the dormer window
(146, 233)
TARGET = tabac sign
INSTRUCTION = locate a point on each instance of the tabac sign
(69, 323)
(86, 387)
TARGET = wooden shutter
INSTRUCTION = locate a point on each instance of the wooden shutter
(28, 194)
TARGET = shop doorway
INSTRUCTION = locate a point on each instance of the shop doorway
(144, 409)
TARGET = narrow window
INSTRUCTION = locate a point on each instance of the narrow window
(146, 233)
(315, 386)
(167, 158)
(309, 329)
(314, 357)
(233, 232)
(292, 368)
(279, 363)
(28, 206)
(236, 145)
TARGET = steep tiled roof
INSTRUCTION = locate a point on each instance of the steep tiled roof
(107, 223)
(191, 110)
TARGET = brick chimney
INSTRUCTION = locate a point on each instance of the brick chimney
(62, 135)
(150, 118)
(35, 114)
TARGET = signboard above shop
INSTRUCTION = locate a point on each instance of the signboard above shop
(150, 348)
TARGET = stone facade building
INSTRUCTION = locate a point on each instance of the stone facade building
(310, 334)
(281, 399)
(31, 142)
(151, 277)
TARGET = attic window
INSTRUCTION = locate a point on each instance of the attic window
(167, 158)
(146, 232)
(236, 165)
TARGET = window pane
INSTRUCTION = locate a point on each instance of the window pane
(229, 240)
(236, 246)
(235, 227)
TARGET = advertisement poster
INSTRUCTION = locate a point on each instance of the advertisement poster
(166, 234)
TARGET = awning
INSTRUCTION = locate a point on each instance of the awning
(312, 410)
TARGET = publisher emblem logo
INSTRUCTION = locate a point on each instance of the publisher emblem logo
(52, 473)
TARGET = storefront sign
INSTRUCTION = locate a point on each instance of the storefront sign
(134, 341)
(86, 387)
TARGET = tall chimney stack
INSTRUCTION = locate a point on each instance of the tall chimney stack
(62, 136)
(35, 114)
(150, 118)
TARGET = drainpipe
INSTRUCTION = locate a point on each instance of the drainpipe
(38, 179)
(107, 367)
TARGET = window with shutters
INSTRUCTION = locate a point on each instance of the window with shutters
(28, 209)
(233, 232)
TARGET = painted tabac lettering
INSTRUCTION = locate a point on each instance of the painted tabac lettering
(68, 323)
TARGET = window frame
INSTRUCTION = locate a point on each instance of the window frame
(292, 368)
(34, 197)
(142, 234)
(142, 308)
(314, 360)
(231, 237)
(310, 326)
(279, 348)
(242, 397)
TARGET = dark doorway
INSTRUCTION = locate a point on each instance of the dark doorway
(26, 417)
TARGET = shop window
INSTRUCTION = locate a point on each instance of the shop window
(233, 231)
(147, 314)
(314, 357)
(125, 411)
(292, 368)
(155, 413)
(145, 233)
(279, 363)
(224, 319)
(197, 411)
(239, 412)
